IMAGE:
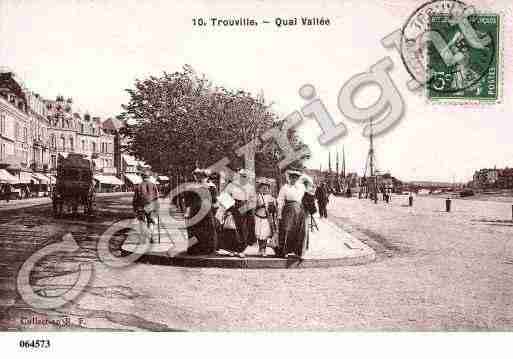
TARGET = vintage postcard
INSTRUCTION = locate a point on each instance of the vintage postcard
(227, 166)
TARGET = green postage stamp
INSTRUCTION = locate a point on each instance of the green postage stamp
(468, 67)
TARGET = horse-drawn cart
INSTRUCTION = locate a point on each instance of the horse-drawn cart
(75, 185)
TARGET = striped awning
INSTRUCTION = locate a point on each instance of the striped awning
(133, 178)
(108, 179)
(41, 178)
(26, 178)
(6, 177)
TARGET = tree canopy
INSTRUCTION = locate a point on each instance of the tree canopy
(180, 120)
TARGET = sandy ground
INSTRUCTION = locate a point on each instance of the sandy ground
(435, 271)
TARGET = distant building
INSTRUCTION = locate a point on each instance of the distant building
(34, 131)
(505, 178)
(485, 178)
(15, 121)
(74, 132)
(493, 178)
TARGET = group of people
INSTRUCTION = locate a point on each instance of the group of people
(5, 191)
(241, 215)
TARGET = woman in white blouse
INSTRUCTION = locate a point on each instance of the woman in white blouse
(291, 215)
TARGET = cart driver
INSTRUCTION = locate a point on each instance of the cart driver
(146, 202)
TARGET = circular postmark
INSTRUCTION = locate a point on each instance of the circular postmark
(444, 47)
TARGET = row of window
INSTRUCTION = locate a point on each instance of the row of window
(3, 124)
(106, 162)
(68, 123)
(104, 146)
(2, 151)
(37, 131)
(20, 133)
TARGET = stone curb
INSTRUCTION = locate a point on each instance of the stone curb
(208, 261)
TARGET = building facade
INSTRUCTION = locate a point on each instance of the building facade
(15, 120)
(34, 131)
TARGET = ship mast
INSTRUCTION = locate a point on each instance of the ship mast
(371, 150)
(371, 183)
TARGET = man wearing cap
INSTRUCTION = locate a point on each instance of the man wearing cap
(146, 202)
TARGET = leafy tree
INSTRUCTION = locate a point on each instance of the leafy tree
(180, 120)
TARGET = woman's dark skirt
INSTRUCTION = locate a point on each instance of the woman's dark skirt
(205, 233)
(235, 240)
(292, 230)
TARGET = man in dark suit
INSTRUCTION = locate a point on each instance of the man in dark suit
(322, 196)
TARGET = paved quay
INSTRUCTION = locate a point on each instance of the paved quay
(433, 271)
(38, 201)
(329, 245)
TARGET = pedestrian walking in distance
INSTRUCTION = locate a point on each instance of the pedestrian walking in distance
(322, 196)
(146, 202)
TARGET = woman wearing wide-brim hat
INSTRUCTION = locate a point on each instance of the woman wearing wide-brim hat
(291, 214)
(203, 230)
(243, 193)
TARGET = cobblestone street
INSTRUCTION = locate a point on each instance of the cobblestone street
(434, 270)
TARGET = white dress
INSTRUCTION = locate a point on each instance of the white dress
(262, 225)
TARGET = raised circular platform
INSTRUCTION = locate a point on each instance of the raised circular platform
(329, 246)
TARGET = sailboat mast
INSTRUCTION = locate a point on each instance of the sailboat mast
(371, 150)
(343, 162)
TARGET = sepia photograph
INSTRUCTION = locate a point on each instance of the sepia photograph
(255, 166)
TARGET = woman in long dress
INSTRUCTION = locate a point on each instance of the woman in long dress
(291, 214)
(228, 233)
(264, 216)
(203, 232)
(243, 192)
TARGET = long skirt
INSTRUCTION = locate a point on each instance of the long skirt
(262, 228)
(292, 230)
(202, 236)
(230, 239)
(245, 223)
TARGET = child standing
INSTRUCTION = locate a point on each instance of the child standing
(264, 215)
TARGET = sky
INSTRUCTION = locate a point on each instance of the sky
(93, 50)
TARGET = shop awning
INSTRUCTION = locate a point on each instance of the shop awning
(133, 178)
(41, 178)
(108, 179)
(163, 178)
(129, 160)
(26, 178)
(6, 177)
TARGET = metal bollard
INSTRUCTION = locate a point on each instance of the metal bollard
(448, 205)
(410, 200)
